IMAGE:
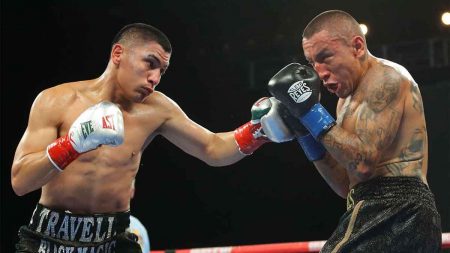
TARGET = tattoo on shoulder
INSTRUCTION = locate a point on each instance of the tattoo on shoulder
(385, 92)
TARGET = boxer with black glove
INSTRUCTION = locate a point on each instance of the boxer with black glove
(377, 151)
(298, 88)
(280, 126)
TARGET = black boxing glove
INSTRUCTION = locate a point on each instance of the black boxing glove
(298, 88)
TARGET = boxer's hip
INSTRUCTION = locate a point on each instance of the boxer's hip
(61, 231)
(388, 214)
(391, 190)
(88, 228)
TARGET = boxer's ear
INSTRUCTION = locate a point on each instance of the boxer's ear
(116, 53)
(359, 46)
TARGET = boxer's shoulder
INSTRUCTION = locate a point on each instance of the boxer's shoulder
(160, 101)
(383, 83)
(393, 76)
(54, 103)
(62, 93)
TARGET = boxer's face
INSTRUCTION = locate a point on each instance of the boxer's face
(140, 69)
(332, 58)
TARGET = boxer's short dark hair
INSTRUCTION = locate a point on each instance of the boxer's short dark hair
(140, 32)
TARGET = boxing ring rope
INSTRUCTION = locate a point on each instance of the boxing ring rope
(289, 247)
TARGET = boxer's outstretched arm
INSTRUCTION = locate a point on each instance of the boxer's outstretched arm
(216, 149)
(31, 169)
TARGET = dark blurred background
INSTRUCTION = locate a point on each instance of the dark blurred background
(224, 52)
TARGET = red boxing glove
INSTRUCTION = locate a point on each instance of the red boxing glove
(249, 137)
(100, 124)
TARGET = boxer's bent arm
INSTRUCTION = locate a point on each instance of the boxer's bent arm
(31, 169)
(216, 149)
(334, 174)
(376, 126)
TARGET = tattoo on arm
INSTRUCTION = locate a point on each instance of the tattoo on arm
(414, 150)
(353, 165)
(416, 97)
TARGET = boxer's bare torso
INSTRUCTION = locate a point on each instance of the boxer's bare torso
(387, 87)
(99, 181)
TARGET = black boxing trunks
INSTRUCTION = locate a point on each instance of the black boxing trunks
(388, 214)
(54, 231)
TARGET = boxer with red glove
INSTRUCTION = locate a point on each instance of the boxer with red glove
(265, 114)
(100, 124)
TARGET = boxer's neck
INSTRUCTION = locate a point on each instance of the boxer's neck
(106, 87)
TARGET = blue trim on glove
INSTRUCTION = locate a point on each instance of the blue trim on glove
(314, 150)
(317, 120)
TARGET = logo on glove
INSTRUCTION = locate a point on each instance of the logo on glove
(299, 91)
(87, 128)
(108, 122)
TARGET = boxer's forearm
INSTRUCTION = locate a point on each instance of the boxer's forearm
(223, 150)
(30, 172)
(350, 151)
(334, 174)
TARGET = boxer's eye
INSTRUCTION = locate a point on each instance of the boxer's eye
(152, 62)
(323, 55)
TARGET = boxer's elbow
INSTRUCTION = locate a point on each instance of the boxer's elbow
(364, 163)
(214, 160)
(208, 154)
(19, 191)
(340, 189)
(342, 192)
(20, 187)
(214, 163)
(221, 159)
